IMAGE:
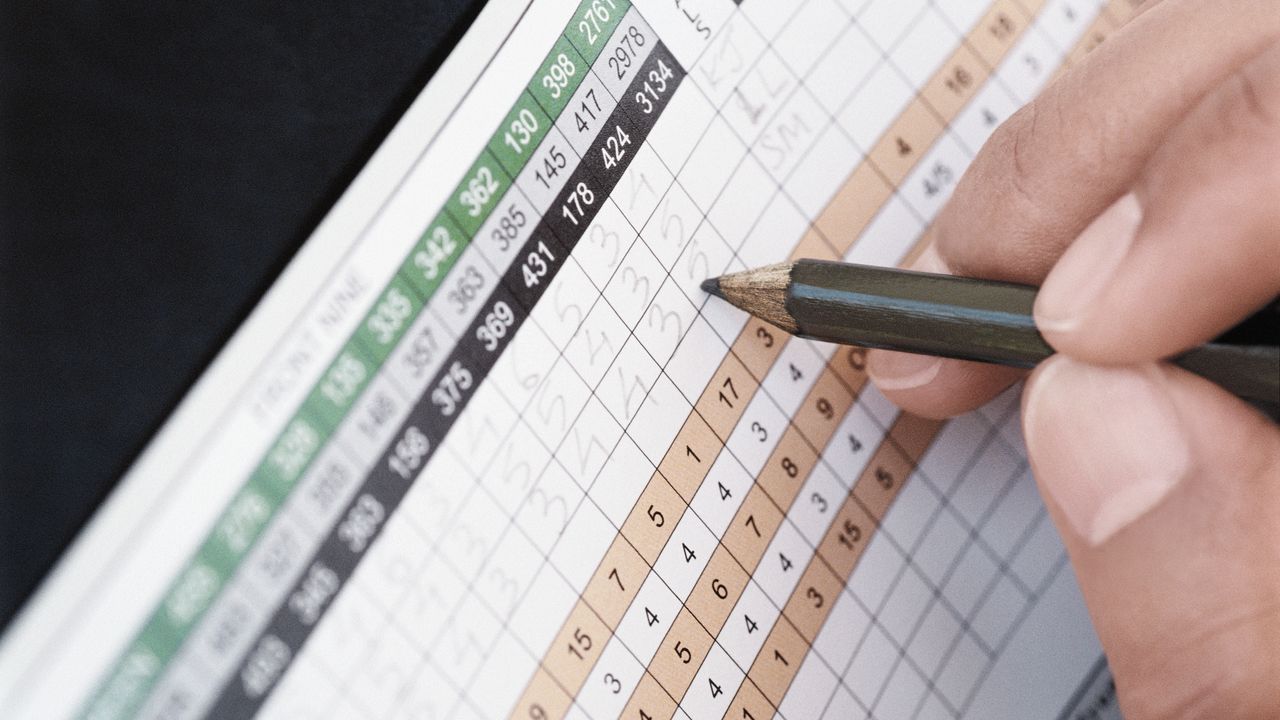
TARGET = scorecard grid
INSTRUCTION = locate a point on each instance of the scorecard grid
(512, 576)
(1029, 529)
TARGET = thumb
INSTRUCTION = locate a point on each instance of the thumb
(1166, 491)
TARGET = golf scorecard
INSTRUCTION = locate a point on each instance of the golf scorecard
(485, 450)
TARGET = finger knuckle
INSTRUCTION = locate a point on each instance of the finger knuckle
(1258, 97)
(1247, 117)
(1246, 106)
(1086, 145)
(1003, 194)
(1251, 103)
(1020, 138)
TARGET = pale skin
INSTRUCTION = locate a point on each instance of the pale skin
(1142, 192)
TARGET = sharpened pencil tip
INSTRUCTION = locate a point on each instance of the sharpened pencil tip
(712, 286)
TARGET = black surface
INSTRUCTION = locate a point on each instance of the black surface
(159, 164)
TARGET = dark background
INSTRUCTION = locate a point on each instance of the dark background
(159, 165)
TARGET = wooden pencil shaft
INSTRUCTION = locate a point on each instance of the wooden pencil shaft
(924, 313)
(992, 321)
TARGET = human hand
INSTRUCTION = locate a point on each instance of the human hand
(1142, 191)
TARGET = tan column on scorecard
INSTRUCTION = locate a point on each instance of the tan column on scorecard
(807, 609)
(576, 648)
(653, 517)
(732, 386)
(692, 452)
(614, 584)
(680, 654)
(544, 699)
(710, 600)
(649, 701)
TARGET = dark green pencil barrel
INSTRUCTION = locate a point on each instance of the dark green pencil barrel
(916, 312)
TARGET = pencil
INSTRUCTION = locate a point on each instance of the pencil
(983, 320)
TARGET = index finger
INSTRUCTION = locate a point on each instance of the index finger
(1049, 170)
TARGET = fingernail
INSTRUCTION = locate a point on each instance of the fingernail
(1106, 442)
(904, 371)
(1067, 296)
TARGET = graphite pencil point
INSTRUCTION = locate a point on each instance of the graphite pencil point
(712, 286)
